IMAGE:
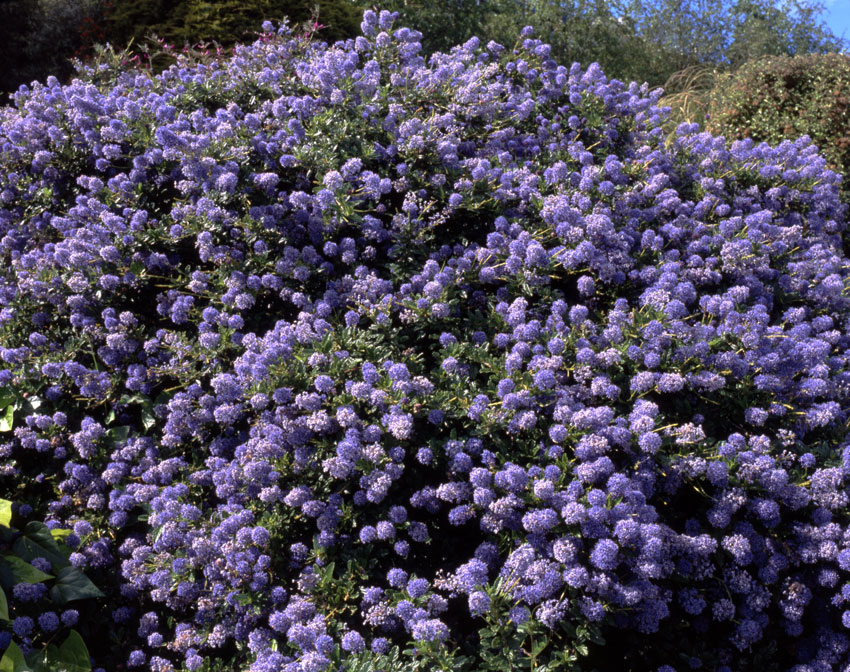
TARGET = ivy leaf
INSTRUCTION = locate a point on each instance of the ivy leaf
(4, 606)
(5, 513)
(71, 656)
(110, 417)
(60, 534)
(148, 418)
(37, 542)
(21, 571)
(118, 434)
(7, 419)
(71, 584)
(13, 660)
(37, 659)
(29, 405)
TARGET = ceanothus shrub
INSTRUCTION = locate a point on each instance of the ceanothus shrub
(346, 360)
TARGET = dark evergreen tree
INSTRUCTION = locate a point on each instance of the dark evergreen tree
(225, 21)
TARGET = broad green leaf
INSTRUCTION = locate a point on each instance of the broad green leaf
(37, 659)
(13, 660)
(148, 418)
(110, 417)
(30, 404)
(118, 434)
(37, 542)
(7, 419)
(5, 513)
(22, 571)
(71, 584)
(71, 656)
(60, 534)
(4, 606)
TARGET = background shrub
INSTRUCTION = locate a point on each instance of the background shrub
(782, 97)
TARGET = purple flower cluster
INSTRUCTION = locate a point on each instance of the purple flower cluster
(342, 356)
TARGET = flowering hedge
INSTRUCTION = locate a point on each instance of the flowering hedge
(328, 358)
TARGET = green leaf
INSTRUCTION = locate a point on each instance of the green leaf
(71, 656)
(4, 606)
(7, 419)
(71, 584)
(118, 434)
(31, 404)
(60, 534)
(148, 418)
(37, 542)
(538, 647)
(37, 659)
(13, 660)
(5, 513)
(22, 571)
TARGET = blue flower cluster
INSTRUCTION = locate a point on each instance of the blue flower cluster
(340, 359)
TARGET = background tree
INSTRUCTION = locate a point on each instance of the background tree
(225, 21)
(443, 24)
(38, 37)
(645, 40)
(582, 31)
(725, 34)
(764, 28)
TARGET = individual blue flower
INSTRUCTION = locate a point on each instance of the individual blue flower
(48, 621)
(430, 630)
(324, 383)
(519, 614)
(397, 577)
(417, 587)
(471, 575)
(545, 379)
(22, 626)
(479, 603)
(398, 373)
(353, 642)
(424, 456)
(380, 645)
(69, 617)
(605, 555)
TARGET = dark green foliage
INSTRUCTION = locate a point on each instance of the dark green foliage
(584, 31)
(14, 17)
(780, 98)
(18, 550)
(224, 21)
(39, 37)
(445, 24)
